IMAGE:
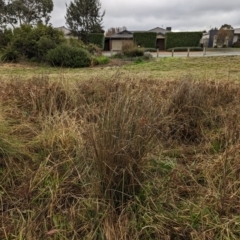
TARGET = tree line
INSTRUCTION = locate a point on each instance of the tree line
(82, 16)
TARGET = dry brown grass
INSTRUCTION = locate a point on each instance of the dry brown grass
(123, 158)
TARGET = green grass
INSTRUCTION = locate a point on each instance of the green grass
(140, 151)
(221, 68)
(102, 60)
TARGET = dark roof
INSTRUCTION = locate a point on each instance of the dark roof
(128, 34)
(159, 30)
(123, 34)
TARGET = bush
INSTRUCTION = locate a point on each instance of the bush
(118, 55)
(93, 49)
(147, 56)
(67, 56)
(236, 44)
(150, 50)
(135, 52)
(131, 50)
(44, 45)
(5, 37)
(76, 43)
(10, 54)
(100, 60)
(34, 42)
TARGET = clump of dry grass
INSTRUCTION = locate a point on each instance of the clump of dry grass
(119, 159)
(121, 139)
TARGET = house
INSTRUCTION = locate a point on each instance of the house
(67, 33)
(209, 39)
(116, 41)
(236, 37)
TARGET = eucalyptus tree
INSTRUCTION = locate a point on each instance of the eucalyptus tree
(84, 17)
(19, 12)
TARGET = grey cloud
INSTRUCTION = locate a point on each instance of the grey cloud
(183, 15)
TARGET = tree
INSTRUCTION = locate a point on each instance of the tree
(224, 34)
(84, 17)
(113, 30)
(19, 12)
(226, 27)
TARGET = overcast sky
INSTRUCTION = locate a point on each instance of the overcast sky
(181, 15)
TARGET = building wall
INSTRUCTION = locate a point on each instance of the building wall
(116, 44)
(236, 38)
(212, 39)
(212, 33)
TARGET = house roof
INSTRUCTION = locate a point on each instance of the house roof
(65, 30)
(159, 30)
(128, 34)
(123, 34)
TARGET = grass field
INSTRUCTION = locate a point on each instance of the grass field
(220, 68)
(136, 151)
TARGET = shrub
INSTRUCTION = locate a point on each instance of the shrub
(118, 55)
(99, 60)
(34, 42)
(10, 54)
(150, 49)
(147, 56)
(135, 52)
(93, 49)
(5, 37)
(131, 50)
(76, 43)
(44, 45)
(67, 56)
(236, 44)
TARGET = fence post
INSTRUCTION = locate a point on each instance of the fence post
(157, 52)
(173, 52)
(204, 51)
(188, 50)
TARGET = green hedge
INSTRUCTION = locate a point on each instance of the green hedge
(150, 50)
(97, 39)
(145, 39)
(182, 39)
